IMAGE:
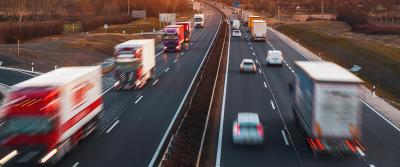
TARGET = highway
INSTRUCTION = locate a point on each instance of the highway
(266, 93)
(135, 122)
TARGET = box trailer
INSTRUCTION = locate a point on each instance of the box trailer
(259, 30)
(245, 18)
(250, 21)
(236, 24)
(187, 30)
(44, 117)
(134, 63)
(327, 107)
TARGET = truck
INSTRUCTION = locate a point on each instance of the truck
(245, 17)
(187, 30)
(259, 30)
(46, 116)
(236, 24)
(250, 21)
(134, 63)
(198, 20)
(327, 108)
(173, 37)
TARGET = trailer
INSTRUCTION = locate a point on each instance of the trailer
(187, 30)
(327, 107)
(198, 20)
(46, 116)
(134, 63)
(259, 30)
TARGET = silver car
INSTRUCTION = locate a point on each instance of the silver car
(248, 130)
(236, 33)
(248, 65)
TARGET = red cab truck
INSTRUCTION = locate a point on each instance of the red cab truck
(187, 29)
(134, 63)
(44, 117)
(173, 38)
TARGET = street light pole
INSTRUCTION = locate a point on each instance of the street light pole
(129, 7)
(278, 11)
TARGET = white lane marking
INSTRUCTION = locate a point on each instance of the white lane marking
(175, 60)
(140, 98)
(109, 129)
(76, 164)
(9, 156)
(292, 71)
(360, 151)
(154, 82)
(251, 48)
(265, 85)
(249, 43)
(256, 61)
(270, 45)
(259, 70)
(221, 125)
(158, 54)
(30, 73)
(107, 90)
(155, 155)
(272, 104)
(254, 54)
(380, 115)
(166, 70)
(290, 67)
(182, 53)
(284, 138)
(371, 165)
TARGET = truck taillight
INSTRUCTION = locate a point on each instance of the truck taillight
(237, 129)
(350, 145)
(319, 144)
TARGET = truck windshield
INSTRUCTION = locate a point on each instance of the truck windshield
(127, 67)
(198, 19)
(26, 125)
(170, 36)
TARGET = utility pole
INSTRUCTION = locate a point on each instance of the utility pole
(129, 7)
(278, 11)
(322, 9)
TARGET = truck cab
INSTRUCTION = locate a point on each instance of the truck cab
(198, 20)
(173, 37)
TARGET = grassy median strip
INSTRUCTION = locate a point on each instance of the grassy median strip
(380, 63)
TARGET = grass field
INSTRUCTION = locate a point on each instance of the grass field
(380, 62)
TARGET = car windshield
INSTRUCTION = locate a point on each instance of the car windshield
(170, 36)
(26, 125)
(127, 66)
(198, 19)
(236, 31)
(248, 63)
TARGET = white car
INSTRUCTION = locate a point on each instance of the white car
(248, 65)
(274, 57)
(236, 33)
(248, 130)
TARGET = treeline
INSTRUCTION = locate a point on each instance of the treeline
(27, 19)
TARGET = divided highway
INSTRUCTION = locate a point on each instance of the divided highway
(134, 123)
(266, 92)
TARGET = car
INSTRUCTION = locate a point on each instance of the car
(248, 65)
(236, 33)
(248, 129)
(274, 57)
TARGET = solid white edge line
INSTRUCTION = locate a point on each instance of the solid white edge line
(153, 160)
(380, 115)
(75, 164)
(109, 129)
(140, 98)
(166, 70)
(31, 73)
(272, 104)
(270, 45)
(285, 138)
(108, 89)
(221, 122)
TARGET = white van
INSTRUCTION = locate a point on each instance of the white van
(198, 20)
(274, 57)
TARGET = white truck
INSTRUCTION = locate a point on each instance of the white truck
(327, 107)
(198, 20)
(134, 63)
(259, 30)
(44, 117)
(236, 24)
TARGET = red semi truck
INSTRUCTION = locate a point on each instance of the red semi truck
(174, 37)
(187, 29)
(44, 117)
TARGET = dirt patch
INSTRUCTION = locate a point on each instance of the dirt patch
(66, 50)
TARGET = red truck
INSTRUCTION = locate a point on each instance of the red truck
(174, 37)
(44, 117)
(187, 29)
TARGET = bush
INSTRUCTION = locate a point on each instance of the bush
(96, 22)
(373, 29)
(352, 16)
(10, 33)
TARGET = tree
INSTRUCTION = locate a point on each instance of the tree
(18, 12)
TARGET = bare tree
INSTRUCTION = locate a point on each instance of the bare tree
(18, 12)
